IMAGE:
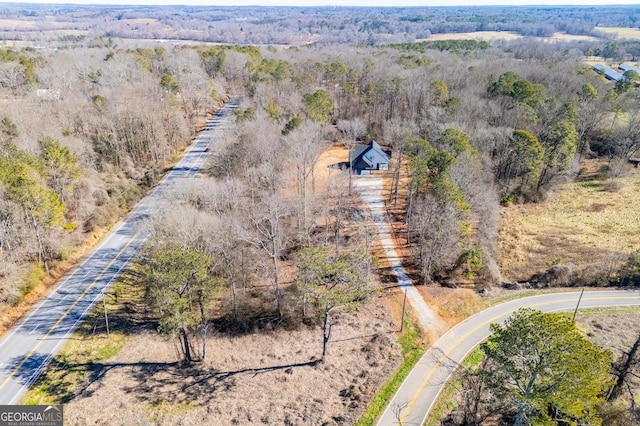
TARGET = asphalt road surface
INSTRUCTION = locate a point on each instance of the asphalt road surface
(27, 348)
(415, 398)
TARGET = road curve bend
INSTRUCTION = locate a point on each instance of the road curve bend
(417, 394)
(27, 348)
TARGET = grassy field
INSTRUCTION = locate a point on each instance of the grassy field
(133, 375)
(591, 220)
(16, 24)
(505, 35)
(621, 33)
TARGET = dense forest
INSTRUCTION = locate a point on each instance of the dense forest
(300, 25)
(90, 122)
(86, 130)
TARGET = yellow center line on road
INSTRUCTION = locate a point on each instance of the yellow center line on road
(66, 313)
(457, 343)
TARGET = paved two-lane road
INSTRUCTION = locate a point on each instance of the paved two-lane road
(419, 391)
(28, 347)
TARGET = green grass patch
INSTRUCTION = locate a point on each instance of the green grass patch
(159, 408)
(474, 358)
(609, 311)
(71, 368)
(413, 348)
(85, 353)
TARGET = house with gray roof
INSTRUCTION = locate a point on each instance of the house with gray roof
(365, 158)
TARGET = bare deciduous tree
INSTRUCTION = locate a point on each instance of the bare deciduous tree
(269, 232)
(435, 232)
(398, 133)
(304, 145)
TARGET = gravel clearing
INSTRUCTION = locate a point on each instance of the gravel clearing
(370, 190)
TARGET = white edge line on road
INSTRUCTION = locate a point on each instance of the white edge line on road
(114, 232)
(71, 329)
(484, 324)
(563, 296)
(102, 243)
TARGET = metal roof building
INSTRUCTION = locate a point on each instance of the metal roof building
(625, 68)
(608, 72)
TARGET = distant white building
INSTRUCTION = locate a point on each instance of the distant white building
(48, 94)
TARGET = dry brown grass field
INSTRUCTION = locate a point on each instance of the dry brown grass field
(476, 35)
(592, 60)
(617, 330)
(17, 24)
(271, 377)
(590, 220)
(505, 35)
(323, 172)
(621, 33)
(603, 326)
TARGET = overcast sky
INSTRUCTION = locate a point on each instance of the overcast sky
(341, 2)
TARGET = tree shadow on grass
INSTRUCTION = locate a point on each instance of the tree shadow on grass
(62, 380)
(203, 383)
(171, 382)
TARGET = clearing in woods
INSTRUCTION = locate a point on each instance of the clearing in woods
(505, 35)
(594, 219)
(621, 33)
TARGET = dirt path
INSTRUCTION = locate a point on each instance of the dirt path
(370, 190)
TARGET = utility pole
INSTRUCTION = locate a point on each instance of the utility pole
(106, 318)
(404, 304)
(579, 299)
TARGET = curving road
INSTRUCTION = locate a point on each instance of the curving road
(28, 347)
(415, 398)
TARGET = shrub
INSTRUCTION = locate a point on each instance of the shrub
(472, 258)
(33, 277)
(101, 217)
(630, 271)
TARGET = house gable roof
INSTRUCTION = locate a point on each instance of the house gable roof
(358, 153)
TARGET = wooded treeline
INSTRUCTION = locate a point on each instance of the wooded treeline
(90, 129)
(266, 239)
(300, 25)
(83, 135)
